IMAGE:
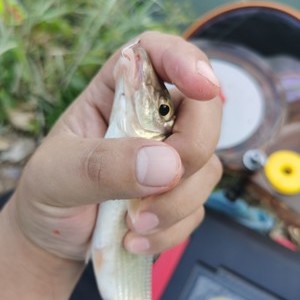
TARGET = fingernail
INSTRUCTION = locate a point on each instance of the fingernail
(138, 245)
(157, 165)
(145, 221)
(205, 70)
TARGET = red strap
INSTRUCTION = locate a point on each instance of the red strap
(164, 268)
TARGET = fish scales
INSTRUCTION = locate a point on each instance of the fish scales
(142, 108)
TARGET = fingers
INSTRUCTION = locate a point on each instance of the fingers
(181, 63)
(159, 218)
(175, 61)
(164, 240)
(178, 203)
(196, 132)
(82, 171)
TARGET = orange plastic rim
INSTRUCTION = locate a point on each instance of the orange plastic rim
(293, 12)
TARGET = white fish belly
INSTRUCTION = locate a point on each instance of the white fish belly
(120, 275)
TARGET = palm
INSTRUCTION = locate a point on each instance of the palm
(72, 226)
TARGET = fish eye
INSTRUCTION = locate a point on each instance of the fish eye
(164, 110)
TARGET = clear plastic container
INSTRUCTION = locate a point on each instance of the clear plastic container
(254, 102)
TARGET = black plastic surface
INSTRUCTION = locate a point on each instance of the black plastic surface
(221, 244)
(265, 30)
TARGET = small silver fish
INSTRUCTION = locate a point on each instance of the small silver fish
(142, 108)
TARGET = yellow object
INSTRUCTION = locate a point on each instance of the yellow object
(282, 169)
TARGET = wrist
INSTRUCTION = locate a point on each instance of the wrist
(30, 272)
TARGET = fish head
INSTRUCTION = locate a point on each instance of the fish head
(150, 110)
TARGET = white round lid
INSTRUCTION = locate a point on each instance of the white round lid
(243, 103)
(254, 106)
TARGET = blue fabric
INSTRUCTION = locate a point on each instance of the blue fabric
(253, 217)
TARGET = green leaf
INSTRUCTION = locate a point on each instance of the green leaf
(49, 57)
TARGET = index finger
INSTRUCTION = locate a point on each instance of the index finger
(196, 131)
(176, 61)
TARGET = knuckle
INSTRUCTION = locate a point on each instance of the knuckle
(199, 153)
(178, 212)
(163, 242)
(216, 167)
(178, 39)
(92, 165)
(178, 233)
(199, 216)
(202, 150)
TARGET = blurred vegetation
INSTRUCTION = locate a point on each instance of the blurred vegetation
(50, 49)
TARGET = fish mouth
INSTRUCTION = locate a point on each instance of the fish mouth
(126, 51)
(144, 89)
(135, 58)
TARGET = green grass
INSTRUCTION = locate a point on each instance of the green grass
(50, 49)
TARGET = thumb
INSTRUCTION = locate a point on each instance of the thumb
(69, 171)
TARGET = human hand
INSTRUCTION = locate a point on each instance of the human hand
(75, 169)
